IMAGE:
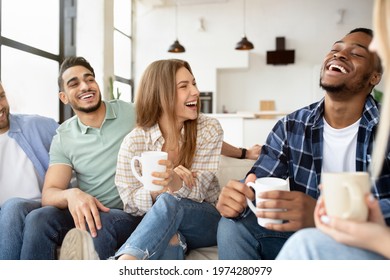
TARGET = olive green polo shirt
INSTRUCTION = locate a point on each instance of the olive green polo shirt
(92, 152)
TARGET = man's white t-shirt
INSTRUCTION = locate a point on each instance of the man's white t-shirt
(339, 151)
(18, 177)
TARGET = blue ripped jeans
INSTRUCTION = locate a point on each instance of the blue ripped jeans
(195, 223)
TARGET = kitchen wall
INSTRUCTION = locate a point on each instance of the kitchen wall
(209, 31)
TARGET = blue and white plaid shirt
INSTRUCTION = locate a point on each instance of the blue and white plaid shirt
(294, 150)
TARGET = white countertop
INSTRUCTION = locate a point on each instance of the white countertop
(249, 115)
(233, 115)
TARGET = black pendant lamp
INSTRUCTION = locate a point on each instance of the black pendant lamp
(176, 47)
(244, 44)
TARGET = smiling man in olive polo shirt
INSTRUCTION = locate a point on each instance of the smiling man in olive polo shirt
(87, 144)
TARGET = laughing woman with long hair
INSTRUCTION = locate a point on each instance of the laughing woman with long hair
(182, 216)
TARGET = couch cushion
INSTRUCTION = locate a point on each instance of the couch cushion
(233, 168)
(205, 253)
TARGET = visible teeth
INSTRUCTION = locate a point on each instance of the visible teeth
(341, 68)
(1, 114)
(191, 103)
(86, 96)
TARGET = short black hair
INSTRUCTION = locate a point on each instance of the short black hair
(370, 33)
(364, 30)
(70, 62)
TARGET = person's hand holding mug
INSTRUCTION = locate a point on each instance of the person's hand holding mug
(153, 165)
(266, 184)
(232, 199)
(278, 204)
(352, 233)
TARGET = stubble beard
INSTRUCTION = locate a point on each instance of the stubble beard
(5, 125)
(337, 89)
(88, 109)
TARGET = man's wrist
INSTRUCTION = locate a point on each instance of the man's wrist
(243, 153)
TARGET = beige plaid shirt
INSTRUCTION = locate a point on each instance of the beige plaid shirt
(137, 201)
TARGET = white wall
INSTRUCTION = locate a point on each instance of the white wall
(240, 79)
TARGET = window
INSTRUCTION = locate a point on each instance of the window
(30, 82)
(35, 37)
(122, 81)
(30, 56)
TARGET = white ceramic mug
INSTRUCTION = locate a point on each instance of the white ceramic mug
(149, 164)
(266, 184)
(344, 194)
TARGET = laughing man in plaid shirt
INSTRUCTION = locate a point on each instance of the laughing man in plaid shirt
(333, 135)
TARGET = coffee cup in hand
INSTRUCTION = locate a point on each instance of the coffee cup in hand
(266, 184)
(149, 164)
(344, 194)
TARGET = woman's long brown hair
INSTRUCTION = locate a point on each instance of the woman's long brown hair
(157, 94)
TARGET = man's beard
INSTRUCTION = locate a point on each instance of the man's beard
(89, 109)
(344, 88)
(6, 123)
(333, 89)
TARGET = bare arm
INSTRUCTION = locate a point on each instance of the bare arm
(55, 190)
(83, 207)
(232, 151)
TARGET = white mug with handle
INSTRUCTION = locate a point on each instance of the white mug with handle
(149, 164)
(266, 184)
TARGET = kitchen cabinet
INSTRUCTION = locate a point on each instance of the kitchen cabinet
(246, 129)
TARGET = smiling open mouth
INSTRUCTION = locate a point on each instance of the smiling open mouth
(337, 68)
(86, 96)
(191, 104)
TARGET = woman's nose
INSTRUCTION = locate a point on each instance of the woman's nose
(195, 91)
